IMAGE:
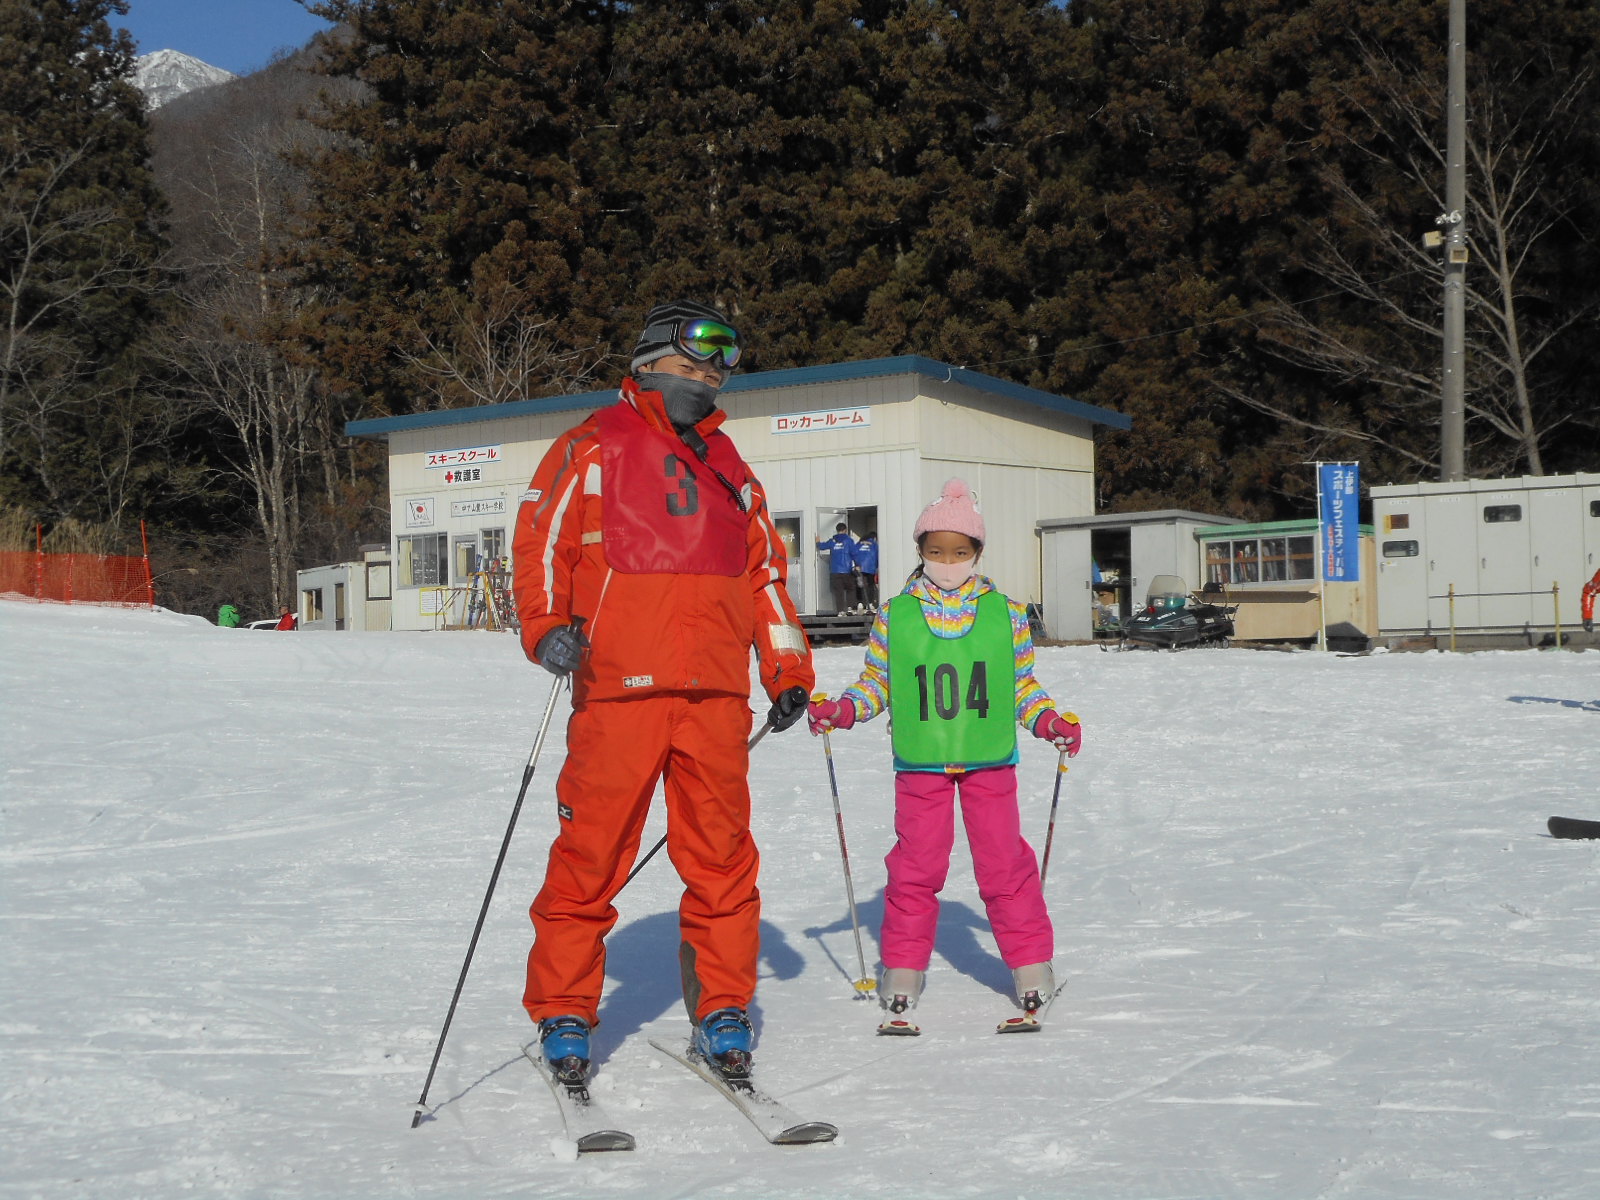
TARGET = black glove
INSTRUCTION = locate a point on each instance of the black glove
(561, 650)
(788, 708)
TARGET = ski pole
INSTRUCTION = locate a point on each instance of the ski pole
(863, 984)
(639, 866)
(527, 777)
(1050, 835)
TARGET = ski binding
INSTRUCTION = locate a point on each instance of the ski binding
(1034, 1009)
(898, 1027)
(897, 1024)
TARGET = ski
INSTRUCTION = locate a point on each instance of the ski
(1031, 1020)
(778, 1124)
(586, 1122)
(1572, 827)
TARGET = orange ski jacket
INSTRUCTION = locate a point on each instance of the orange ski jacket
(654, 632)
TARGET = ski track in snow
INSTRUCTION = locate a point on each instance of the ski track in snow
(1314, 938)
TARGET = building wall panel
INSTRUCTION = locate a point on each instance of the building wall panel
(1557, 541)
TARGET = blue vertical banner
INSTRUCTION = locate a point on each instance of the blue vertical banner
(1339, 509)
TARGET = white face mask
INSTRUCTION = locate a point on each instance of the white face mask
(950, 576)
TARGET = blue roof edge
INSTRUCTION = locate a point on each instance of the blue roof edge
(871, 368)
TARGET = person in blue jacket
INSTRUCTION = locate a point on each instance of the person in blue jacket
(840, 549)
(866, 560)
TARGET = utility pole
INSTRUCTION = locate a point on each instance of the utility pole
(1453, 417)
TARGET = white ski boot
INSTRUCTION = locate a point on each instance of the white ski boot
(899, 988)
(1036, 987)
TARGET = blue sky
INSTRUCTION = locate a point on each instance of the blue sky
(237, 35)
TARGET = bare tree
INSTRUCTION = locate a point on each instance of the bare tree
(494, 351)
(1521, 206)
(230, 347)
(58, 250)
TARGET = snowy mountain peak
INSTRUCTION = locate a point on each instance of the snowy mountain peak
(166, 74)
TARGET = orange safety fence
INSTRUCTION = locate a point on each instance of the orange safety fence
(122, 579)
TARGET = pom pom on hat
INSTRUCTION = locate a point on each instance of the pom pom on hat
(955, 511)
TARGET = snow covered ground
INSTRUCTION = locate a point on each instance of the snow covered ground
(1315, 939)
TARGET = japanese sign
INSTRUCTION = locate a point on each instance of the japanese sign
(419, 514)
(464, 475)
(478, 508)
(828, 418)
(467, 456)
(1338, 508)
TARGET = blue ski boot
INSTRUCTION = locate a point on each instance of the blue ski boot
(565, 1041)
(723, 1040)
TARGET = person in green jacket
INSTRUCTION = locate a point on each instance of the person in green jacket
(228, 617)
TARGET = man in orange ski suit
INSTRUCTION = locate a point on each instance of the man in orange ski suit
(645, 522)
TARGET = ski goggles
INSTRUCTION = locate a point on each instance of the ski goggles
(703, 341)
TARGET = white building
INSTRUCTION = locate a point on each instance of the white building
(350, 595)
(1112, 559)
(1487, 557)
(869, 443)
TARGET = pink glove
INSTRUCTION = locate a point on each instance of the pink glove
(1061, 729)
(831, 714)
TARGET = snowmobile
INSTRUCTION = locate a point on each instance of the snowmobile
(1172, 619)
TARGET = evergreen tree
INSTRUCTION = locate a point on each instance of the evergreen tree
(1186, 174)
(457, 186)
(853, 179)
(978, 139)
(79, 240)
(730, 160)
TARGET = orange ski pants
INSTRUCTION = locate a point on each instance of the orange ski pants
(616, 751)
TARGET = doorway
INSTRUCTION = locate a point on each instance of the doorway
(788, 526)
(466, 559)
(1112, 580)
(858, 521)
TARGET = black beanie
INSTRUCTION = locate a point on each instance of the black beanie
(653, 344)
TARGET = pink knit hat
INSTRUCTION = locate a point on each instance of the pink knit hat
(955, 511)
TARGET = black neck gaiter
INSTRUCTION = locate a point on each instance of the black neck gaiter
(687, 401)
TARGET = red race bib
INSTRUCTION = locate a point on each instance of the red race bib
(663, 510)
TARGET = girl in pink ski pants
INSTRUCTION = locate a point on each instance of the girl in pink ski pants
(1006, 870)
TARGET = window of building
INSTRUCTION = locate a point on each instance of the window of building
(1594, 508)
(378, 581)
(1261, 560)
(1493, 514)
(424, 560)
(1401, 549)
(1274, 559)
(1246, 562)
(310, 605)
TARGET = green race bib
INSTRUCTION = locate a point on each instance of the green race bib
(952, 701)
